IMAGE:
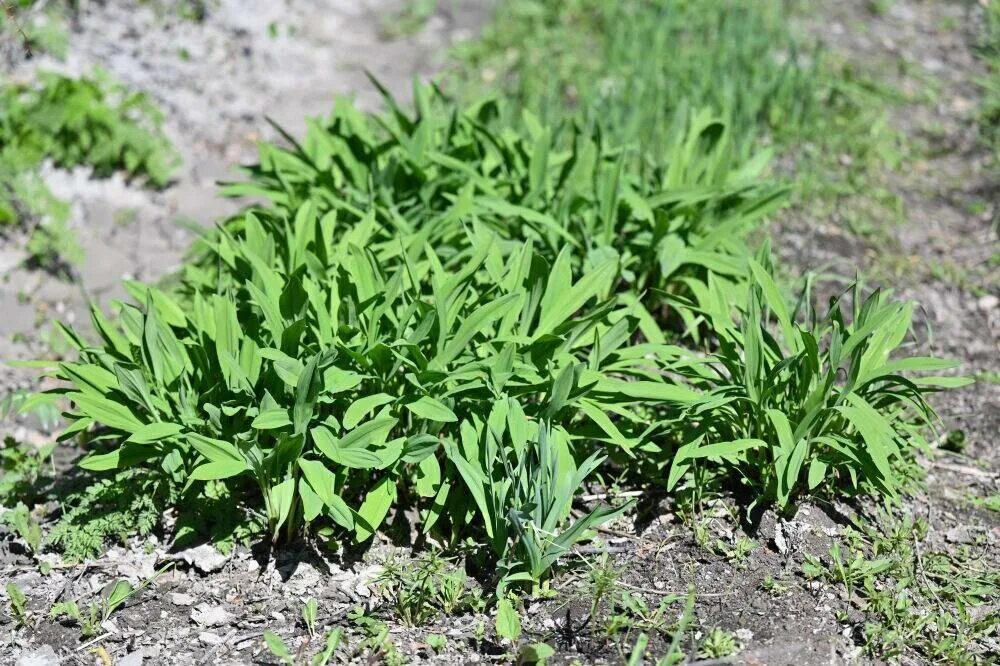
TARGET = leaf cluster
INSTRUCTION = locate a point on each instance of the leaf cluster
(445, 317)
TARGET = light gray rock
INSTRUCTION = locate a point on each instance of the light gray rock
(210, 616)
(43, 656)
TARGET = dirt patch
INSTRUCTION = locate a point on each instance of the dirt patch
(236, 72)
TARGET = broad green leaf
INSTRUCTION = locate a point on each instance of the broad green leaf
(154, 432)
(323, 483)
(272, 419)
(361, 407)
(508, 623)
(375, 507)
(432, 410)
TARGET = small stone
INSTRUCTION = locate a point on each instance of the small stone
(959, 534)
(779, 539)
(131, 659)
(181, 599)
(208, 638)
(210, 616)
(43, 656)
(204, 558)
(987, 303)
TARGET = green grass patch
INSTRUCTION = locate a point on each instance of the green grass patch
(92, 122)
(629, 66)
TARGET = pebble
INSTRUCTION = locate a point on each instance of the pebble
(131, 659)
(43, 656)
(987, 303)
(205, 558)
(210, 616)
(181, 599)
(209, 638)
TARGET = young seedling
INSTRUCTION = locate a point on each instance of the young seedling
(437, 642)
(18, 605)
(309, 612)
(277, 647)
(99, 612)
(718, 644)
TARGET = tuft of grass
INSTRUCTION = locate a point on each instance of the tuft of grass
(630, 66)
(989, 53)
(923, 604)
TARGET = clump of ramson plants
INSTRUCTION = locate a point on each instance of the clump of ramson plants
(444, 318)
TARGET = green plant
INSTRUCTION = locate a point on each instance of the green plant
(18, 605)
(409, 19)
(508, 620)
(810, 404)
(632, 612)
(309, 611)
(535, 653)
(24, 525)
(38, 32)
(86, 121)
(424, 369)
(717, 644)
(98, 612)
(772, 586)
(989, 53)
(922, 604)
(409, 179)
(21, 464)
(277, 647)
(424, 588)
(629, 65)
(437, 642)
(110, 510)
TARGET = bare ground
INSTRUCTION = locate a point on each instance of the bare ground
(214, 103)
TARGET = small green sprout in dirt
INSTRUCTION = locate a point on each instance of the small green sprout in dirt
(277, 647)
(535, 653)
(24, 525)
(426, 587)
(603, 578)
(738, 553)
(638, 653)
(436, 642)
(98, 612)
(18, 605)
(631, 611)
(773, 586)
(309, 612)
(718, 644)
